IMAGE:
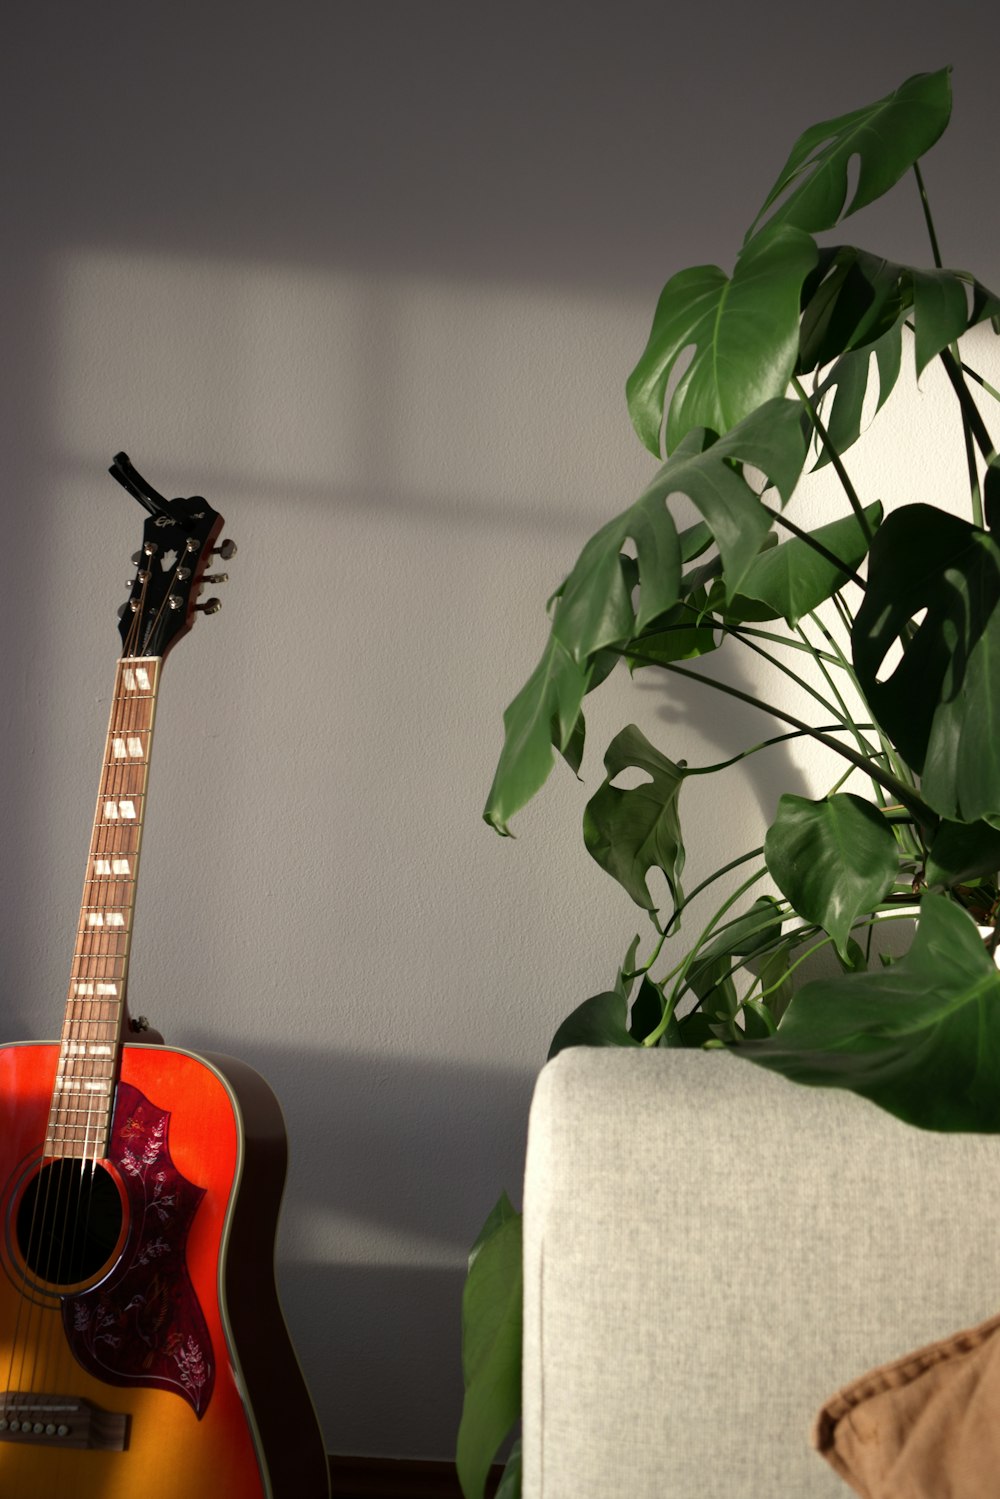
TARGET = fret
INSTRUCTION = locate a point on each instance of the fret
(80, 1112)
(110, 894)
(100, 943)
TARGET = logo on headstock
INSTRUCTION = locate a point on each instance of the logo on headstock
(165, 520)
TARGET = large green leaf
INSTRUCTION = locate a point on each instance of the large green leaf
(852, 298)
(601, 1020)
(631, 831)
(743, 332)
(510, 1483)
(647, 1010)
(941, 703)
(841, 394)
(886, 138)
(860, 309)
(594, 609)
(921, 1038)
(681, 634)
(869, 312)
(962, 851)
(833, 859)
(792, 579)
(491, 1346)
(546, 710)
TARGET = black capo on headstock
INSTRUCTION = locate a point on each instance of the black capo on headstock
(138, 487)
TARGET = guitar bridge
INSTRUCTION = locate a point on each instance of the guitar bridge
(61, 1421)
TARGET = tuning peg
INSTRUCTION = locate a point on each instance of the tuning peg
(210, 606)
(225, 550)
(215, 578)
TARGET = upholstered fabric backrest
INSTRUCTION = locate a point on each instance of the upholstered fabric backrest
(710, 1251)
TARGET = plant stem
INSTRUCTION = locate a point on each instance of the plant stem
(796, 645)
(830, 728)
(707, 931)
(817, 546)
(806, 687)
(969, 408)
(983, 384)
(911, 841)
(953, 364)
(974, 426)
(973, 422)
(754, 853)
(900, 792)
(835, 459)
(928, 220)
(846, 617)
(645, 967)
(864, 747)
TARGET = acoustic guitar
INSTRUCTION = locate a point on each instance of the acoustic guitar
(143, 1353)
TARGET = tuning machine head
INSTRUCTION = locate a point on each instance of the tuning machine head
(226, 549)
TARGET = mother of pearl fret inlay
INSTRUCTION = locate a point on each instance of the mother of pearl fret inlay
(121, 809)
(83, 1094)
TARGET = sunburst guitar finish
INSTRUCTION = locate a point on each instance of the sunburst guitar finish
(167, 1343)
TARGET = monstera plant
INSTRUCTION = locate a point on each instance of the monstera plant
(889, 623)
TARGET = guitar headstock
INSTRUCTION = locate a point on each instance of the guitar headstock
(178, 541)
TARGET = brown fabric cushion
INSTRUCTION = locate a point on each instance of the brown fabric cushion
(924, 1427)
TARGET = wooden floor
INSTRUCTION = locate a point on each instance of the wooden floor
(397, 1478)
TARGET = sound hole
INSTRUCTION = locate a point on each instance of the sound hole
(69, 1221)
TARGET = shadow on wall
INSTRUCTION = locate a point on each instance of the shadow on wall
(386, 1156)
(692, 712)
(380, 1349)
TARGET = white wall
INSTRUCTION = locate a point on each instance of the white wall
(371, 278)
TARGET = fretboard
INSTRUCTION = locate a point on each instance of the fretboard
(79, 1118)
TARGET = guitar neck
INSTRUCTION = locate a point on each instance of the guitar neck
(80, 1114)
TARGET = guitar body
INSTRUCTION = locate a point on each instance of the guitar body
(160, 1305)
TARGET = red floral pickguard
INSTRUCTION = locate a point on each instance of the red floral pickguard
(142, 1325)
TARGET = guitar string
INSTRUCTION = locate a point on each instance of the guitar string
(108, 952)
(117, 778)
(113, 949)
(81, 1029)
(30, 1338)
(49, 1342)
